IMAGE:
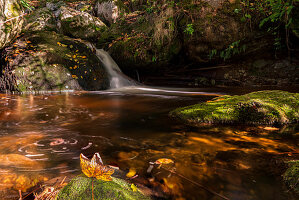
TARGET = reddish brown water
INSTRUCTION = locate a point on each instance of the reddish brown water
(42, 136)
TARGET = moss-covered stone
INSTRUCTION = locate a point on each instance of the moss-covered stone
(40, 20)
(50, 61)
(80, 188)
(291, 176)
(80, 24)
(263, 107)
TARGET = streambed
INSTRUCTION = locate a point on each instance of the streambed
(42, 136)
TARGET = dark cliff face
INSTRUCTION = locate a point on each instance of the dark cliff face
(49, 61)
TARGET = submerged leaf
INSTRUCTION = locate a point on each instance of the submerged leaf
(131, 173)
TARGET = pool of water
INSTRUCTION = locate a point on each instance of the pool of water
(42, 136)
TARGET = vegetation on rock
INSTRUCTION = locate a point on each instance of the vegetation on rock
(50, 61)
(81, 188)
(263, 107)
(291, 176)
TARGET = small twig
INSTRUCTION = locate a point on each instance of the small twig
(92, 190)
(20, 193)
(195, 183)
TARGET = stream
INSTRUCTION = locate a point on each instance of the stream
(42, 136)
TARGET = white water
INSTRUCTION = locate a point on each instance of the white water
(119, 82)
(116, 77)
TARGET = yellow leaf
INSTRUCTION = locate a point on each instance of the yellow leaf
(271, 128)
(131, 173)
(95, 167)
(134, 187)
(164, 161)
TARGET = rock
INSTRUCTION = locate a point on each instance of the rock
(263, 107)
(216, 27)
(8, 31)
(80, 188)
(50, 61)
(291, 176)
(107, 11)
(141, 41)
(40, 20)
(80, 24)
(18, 161)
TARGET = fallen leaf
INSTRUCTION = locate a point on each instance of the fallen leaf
(131, 173)
(134, 187)
(164, 161)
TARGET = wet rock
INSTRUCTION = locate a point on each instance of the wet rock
(40, 20)
(291, 176)
(8, 31)
(81, 188)
(107, 11)
(18, 161)
(80, 24)
(50, 61)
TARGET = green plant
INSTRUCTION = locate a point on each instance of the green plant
(212, 53)
(26, 4)
(233, 49)
(276, 16)
(189, 29)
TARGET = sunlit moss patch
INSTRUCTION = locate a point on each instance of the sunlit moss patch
(263, 107)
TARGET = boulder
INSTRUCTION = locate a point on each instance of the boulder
(81, 188)
(263, 107)
(80, 24)
(107, 11)
(50, 61)
(41, 19)
(10, 9)
(291, 176)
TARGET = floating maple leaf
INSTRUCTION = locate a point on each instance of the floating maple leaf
(95, 167)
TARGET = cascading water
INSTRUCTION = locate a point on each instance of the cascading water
(117, 78)
(119, 82)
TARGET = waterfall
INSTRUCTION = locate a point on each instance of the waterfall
(116, 77)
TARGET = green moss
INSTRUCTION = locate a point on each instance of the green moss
(263, 107)
(291, 176)
(55, 62)
(80, 188)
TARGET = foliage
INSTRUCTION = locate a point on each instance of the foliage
(189, 29)
(276, 15)
(26, 4)
(233, 49)
(291, 176)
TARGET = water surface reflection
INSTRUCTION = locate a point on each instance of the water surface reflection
(42, 136)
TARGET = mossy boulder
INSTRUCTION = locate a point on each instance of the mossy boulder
(79, 24)
(41, 19)
(80, 188)
(263, 107)
(8, 31)
(50, 61)
(291, 176)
